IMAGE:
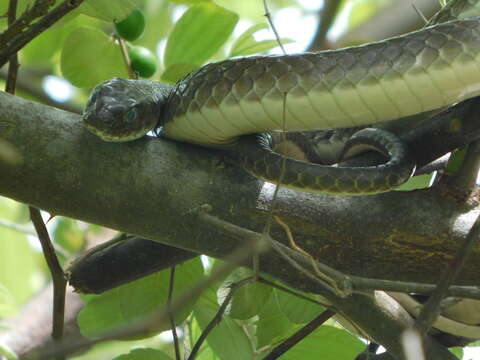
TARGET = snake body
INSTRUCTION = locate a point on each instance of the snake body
(215, 105)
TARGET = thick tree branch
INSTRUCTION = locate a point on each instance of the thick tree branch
(152, 188)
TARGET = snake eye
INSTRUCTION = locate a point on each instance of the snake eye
(131, 115)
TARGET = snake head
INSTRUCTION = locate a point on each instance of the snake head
(122, 110)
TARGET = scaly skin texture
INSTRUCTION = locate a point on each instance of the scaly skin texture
(214, 106)
(422, 71)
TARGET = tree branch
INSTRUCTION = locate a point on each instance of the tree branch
(153, 188)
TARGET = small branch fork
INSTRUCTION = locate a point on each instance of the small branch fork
(15, 37)
(58, 276)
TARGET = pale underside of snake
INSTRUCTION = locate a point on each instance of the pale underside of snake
(218, 104)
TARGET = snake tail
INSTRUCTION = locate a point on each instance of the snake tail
(254, 153)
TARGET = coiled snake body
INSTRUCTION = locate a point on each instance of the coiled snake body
(219, 103)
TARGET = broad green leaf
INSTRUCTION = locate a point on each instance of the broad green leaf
(362, 10)
(21, 267)
(416, 182)
(297, 310)
(227, 340)
(7, 303)
(8, 353)
(326, 343)
(272, 324)
(189, 2)
(120, 307)
(247, 45)
(259, 47)
(176, 71)
(199, 34)
(108, 10)
(458, 351)
(90, 57)
(248, 299)
(144, 354)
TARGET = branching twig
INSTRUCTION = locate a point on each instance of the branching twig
(58, 276)
(39, 8)
(299, 335)
(269, 18)
(70, 345)
(125, 57)
(171, 315)
(18, 41)
(430, 309)
(218, 316)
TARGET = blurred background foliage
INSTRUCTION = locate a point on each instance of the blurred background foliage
(60, 67)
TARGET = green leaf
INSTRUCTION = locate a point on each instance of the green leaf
(7, 352)
(68, 235)
(248, 299)
(247, 45)
(189, 2)
(90, 57)
(416, 182)
(119, 307)
(199, 34)
(458, 351)
(259, 47)
(144, 354)
(272, 324)
(228, 340)
(326, 343)
(7, 303)
(176, 71)
(297, 310)
(109, 10)
(21, 267)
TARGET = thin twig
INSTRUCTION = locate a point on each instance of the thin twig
(125, 57)
(17, 42)
(13, 63)
(71, 345)
(39, 8)
(430, 309)
(297, 248)
(58, 276)
(218, 316)
(365, 284)
(171, 315)
(263, 242)
(270, 21)
(301, 334)
(291, 292)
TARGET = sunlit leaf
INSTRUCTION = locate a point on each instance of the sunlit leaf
(68, 235)
(8, 353)
(198, 34)
(144, 354)
(296, 309)
(90, 57)
(189, 2)
(122, 306)
(247, 45)
(228, 340)
(272, 324)
(109, 10)
(326, 343)
(248, 299)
